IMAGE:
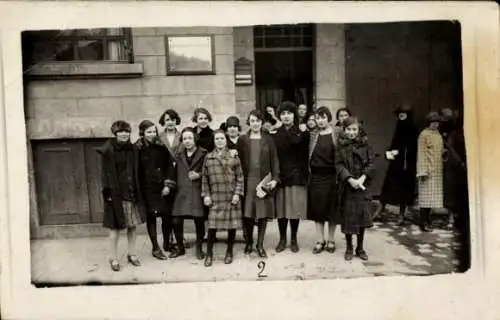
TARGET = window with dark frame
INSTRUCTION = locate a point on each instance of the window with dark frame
(190, 55)
(296, 37)
(78, 45)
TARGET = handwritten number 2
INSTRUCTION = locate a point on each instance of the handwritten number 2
(261, 265)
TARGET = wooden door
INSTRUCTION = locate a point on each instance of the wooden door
(60, 183)
(391, 63)
(93, 177)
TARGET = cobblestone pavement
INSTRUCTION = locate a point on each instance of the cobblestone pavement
(392, 250)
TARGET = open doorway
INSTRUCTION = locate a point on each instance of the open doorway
(284, 64)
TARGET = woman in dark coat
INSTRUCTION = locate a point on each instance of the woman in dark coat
(322, 189)
(222, 190)
(259, 160)
(156, 178)
(400, 179)
(123, 204)
(202, 118)
(292, 142)
(355, 168)
(188, 203)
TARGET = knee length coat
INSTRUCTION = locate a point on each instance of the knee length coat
(430, 165)
(114, 216)
(355, 158)
(156, 171)
(268, 163)
(188, 202)
(222, 179)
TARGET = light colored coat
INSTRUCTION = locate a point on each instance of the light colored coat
(222, 178)
(430, 164)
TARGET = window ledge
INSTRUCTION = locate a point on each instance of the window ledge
(85, 70)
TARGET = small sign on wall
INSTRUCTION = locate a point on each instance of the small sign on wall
(243, 72)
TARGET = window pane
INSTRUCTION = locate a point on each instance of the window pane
(90, 32)
(273, 30)
(277, 42)
(307, 42)
(258, 31)
(117, 50)
(90, 50)
(116, 32)
(258, 42)
(53, 51)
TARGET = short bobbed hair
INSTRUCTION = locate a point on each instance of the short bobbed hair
(256, 113)
(193, 131)
(144, 125)
(172, 114)
(324, 112)
(199, 111)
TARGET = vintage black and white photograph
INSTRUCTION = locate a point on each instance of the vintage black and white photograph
(249, 153)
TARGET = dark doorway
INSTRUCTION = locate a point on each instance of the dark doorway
(284, 64)
(390, 63)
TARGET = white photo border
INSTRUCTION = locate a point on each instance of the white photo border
(471, 295)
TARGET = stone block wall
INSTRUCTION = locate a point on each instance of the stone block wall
(85, 108)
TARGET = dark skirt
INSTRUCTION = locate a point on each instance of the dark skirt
(322, 195)
(156, 204)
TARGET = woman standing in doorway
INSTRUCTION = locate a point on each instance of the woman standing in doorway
(292, 141)
(123, 206)
(430, 170)
(222, 189)
(202, 118)
(400, 179)
(188, 202)
(323, 181)
(259, 160)
(301, 113)
(156, 178)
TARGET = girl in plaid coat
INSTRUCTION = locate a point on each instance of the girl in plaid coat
(221, 190)
(355, 169)
(430, 170)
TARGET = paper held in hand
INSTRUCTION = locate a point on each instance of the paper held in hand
(263, 185)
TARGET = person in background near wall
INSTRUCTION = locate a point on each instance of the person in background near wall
(171, 137)
(156, 178)
(269, 125)
(340, 116)
(322, 189)
(452, 164)
(222, 190)
(259, 160)
(188, 202)
(232, 129)
(202, 118)
(311, 122)
(302, 113)
(400, 179)
(123, 206)
(270, 110)
(430, 170)
(355, 167)
(292, 141)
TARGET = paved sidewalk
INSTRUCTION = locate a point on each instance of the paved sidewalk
(392, 250)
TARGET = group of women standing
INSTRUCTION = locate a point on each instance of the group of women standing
(225, 180)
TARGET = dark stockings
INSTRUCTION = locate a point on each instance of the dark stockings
(294, 226)
(360, 237)
(282, 225)
(425, 219)
(151, 226)
(210, 241)
(261, 224)
(199, 224)
(248, 224)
